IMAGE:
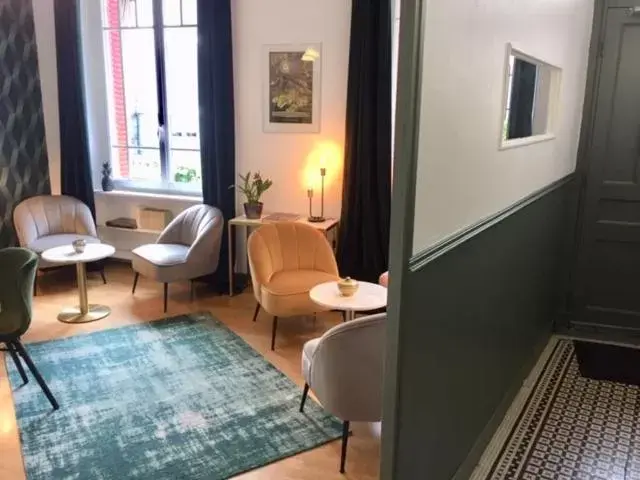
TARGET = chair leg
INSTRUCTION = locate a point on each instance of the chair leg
(16, 359)
(273, 333)
(191, 290)
(135, 283)
(104, 278)
(35, 287)
(255, 314)
(345, 440)
(21, 350)
(166, 293)
(305, 392)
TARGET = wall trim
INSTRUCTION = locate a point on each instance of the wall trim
(422, 258)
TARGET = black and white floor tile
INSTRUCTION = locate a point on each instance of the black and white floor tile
(565, 427)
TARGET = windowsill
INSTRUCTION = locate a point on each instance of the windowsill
(523, 142)
(145, 195)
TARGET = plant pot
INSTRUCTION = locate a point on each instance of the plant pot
(253, 211)
(107, 184)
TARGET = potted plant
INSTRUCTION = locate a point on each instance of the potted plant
(107, 181)
(253, 186)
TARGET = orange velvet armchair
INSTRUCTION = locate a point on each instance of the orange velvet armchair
(286, 261)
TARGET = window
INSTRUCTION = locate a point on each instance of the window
(152, 93)
(531, 89)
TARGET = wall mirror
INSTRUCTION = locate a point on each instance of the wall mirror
(531, 92)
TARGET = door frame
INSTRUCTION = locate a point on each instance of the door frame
(574, 287)
(402, 212)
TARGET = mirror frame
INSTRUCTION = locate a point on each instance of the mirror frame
(554, 96)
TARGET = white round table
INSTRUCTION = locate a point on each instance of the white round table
(66, 255)
(370, 296)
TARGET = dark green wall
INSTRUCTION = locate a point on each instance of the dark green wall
(477, 311)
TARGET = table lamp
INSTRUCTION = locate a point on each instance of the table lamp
(315, 218)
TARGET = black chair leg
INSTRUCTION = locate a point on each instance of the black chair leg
(345, 440)
(21, 350)
(104, 278)
(191, 291)
(255, 314)
(135, 283)
(16, 359)
(166, 293)
(273, 333)
(305, 392)
(35, 287)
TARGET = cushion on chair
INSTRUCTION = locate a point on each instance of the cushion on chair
(162, 254)
(287, 292)
(51, 241)
(307, 355)
(163, 262)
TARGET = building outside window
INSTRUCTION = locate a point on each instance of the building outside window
(151, 69)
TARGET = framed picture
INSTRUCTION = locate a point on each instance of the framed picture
(291, 100)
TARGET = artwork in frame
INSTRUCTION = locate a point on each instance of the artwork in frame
(291, 102)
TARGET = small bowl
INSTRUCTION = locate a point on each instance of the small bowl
(78, 245)
(347, 287)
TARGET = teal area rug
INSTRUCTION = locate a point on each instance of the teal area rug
(182, 398)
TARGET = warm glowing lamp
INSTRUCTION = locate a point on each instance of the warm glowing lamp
(317, 218)
(325, 157)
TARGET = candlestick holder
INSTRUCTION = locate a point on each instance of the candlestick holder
(317, 218)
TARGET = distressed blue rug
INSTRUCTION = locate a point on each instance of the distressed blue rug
(182, 398)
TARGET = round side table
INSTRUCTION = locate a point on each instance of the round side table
(370, 296)
(66, 255)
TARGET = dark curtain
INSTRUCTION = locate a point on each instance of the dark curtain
(217, 132)
(75, 165)
(523, 93)
(363, 248)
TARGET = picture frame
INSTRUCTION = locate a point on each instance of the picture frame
(292, 85)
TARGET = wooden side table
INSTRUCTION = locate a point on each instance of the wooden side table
(329, 225)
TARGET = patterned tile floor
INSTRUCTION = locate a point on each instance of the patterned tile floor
(564, 426)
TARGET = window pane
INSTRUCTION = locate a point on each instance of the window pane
(144, 164)
(140, 92)
(171, 12)
(181, 57)
(186, 167)
(145, 13)
(189, 12)
(127, 13)
(111, 13)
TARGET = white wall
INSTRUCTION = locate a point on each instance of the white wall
(462, 176)
(46, 44)
(282, 157)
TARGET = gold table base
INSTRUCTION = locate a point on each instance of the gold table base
(75, 315)
(84, 312)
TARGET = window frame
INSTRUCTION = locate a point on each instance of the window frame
(164, 184)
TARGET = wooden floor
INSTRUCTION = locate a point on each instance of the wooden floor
(57, 289)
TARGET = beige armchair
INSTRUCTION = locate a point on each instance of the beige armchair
(188, 248)
(345, 368)
(48, 221)
(286, 261)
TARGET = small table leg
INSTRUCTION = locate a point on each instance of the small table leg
(350, 314)
(84, 312)
(229, 227)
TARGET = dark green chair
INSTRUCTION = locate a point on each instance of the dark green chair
(18, 267)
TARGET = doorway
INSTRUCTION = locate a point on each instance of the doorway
(607, 286)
